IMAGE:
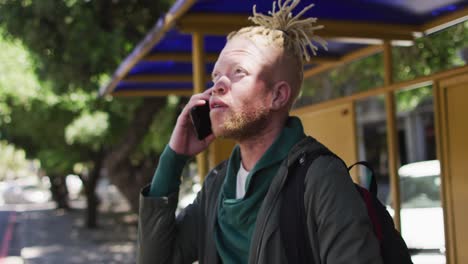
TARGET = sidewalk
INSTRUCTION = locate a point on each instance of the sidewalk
(48, 236)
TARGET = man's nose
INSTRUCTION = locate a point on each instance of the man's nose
(221, 85)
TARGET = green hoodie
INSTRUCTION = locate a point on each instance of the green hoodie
(236, 217)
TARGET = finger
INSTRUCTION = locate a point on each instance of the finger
(195, 100)
(200, 102)
(209, 139)
(205, 95)
(208, 92)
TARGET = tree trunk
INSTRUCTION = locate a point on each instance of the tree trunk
(92, 201)
(59, 191)
(117, 166)
(130, 179)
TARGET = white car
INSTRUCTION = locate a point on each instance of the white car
(25, 194)
(422, 219)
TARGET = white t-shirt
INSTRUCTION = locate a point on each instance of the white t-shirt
(240, 182)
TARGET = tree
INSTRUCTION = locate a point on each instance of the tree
(13, 162)
(74, 45)
(26, 107)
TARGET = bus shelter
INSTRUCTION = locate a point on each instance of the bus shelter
(178, 54)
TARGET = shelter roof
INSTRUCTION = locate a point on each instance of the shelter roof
(162, 63)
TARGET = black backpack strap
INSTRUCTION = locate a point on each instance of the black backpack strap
(392, 246)
(292, 212)
(293, 219)
(373, 183)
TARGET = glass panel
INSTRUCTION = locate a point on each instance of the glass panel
(357, 76)
(440, 51)
(422, 222)
(372, 142)
(437, 52)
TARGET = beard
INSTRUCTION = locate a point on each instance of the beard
(244, 124)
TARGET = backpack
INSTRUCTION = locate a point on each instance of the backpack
(293, 219)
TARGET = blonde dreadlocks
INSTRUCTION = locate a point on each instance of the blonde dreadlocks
(290, 33)
(297, 34)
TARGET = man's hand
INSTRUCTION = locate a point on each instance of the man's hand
(183, 139)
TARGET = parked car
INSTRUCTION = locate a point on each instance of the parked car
(422, 220)
(14, 193)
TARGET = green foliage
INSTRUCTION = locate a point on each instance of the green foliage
(18, 83)
(434, 53)
(88, 129)
(58, 161)
(13, 162)
(75, 45)
(39, 129)
(357, 76)
(408, 100)
(161, 130)
(30, 113)
(53, 57)
(75, 42)
(16, 68)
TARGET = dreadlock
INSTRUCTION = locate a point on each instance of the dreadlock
(294, 35)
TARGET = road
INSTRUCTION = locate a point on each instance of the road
(7, 226)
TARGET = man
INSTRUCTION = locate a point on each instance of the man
(235, 217)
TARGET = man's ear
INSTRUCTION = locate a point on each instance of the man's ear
(281, 93)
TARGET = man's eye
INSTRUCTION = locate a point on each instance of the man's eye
(238, 71)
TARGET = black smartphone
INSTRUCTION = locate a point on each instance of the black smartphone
(200, 116)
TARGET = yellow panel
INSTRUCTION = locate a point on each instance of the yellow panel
(220, 150)
(457, 132)
(335, 128)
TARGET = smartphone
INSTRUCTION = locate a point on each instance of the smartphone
(200, 116)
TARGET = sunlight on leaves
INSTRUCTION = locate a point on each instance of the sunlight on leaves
(88, 128)
(18, 78)
(13, 162)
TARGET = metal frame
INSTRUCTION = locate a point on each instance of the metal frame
(392, 135)
(199, 82)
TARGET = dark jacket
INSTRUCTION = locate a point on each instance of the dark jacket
(337, 222)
